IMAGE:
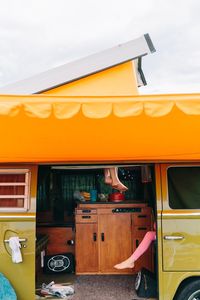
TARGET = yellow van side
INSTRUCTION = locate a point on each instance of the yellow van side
(178, 234)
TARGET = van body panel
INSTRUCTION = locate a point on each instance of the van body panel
(180, 234)
(21, 275)
(175, 252)
(171, 281)
(159, 228)
(22, 225)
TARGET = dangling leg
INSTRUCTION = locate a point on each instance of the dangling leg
(149, 237)
(116, 184)
(107, 177)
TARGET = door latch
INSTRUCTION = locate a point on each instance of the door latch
(20, 240)
(173, 237)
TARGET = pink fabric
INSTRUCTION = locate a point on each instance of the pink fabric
(149, 237)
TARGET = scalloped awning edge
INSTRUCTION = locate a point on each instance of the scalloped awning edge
(98, 110)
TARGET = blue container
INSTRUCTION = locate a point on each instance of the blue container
(93, 195)
(6, 290)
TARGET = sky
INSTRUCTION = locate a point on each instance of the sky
(37, 35)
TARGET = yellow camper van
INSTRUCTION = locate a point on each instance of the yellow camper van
(59, 131)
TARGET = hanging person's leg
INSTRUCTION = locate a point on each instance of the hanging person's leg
(116, 183)
(107, 177)
(149, 237)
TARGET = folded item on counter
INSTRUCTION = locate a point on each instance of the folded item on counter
(85, 195)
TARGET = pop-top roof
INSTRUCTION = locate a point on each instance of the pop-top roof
(132, 50)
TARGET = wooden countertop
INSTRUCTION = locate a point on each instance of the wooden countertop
(110, 204)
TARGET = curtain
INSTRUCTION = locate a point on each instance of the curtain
(43, 190)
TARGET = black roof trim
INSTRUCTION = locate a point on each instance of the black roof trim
(149, 42)
(140, 71)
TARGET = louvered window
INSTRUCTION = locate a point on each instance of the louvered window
(14, 189)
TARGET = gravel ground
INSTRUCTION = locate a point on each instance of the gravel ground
(97, 287)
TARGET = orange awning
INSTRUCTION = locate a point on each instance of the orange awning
(40, 128)
(98, 107)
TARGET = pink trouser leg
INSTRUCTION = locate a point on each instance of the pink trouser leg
(149, 237)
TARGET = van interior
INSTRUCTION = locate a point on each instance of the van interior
(85, 227)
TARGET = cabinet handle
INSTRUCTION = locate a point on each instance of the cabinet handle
(86, 217)
(142, 216)
(87, 211)
(94, 237)
(137, 243)
(102, 237)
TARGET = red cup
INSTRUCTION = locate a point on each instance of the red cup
(117, 197)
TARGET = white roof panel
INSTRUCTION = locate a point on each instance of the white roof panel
(82, 67)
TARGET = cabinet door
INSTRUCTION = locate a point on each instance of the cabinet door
(86, 248)
(115, 241)
(58, 237)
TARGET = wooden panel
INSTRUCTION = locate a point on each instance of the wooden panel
(141, 224)
(140, 231)
(86, 211)
(12, 190)
(146, 260)
(58, 237)
(111, 205)
(117, 236)
(141, 219)
(86, 218)
(105, 211)
(12, 178)
(9, 202)
(115, 241)
(86, 248)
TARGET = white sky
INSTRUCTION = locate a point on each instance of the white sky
(37, 35)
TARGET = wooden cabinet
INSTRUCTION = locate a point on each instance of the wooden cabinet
(58, 239)
(107, 234)
(87, 248)
(115, 243)
(142, 223)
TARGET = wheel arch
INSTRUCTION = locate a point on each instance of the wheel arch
(184, 283)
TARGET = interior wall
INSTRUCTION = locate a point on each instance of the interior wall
(55, 196)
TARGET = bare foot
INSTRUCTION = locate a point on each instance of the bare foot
(119, 186)
(125, 264)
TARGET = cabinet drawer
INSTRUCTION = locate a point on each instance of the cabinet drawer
(140, 231)
(86, 218)
(86, 211)
(143, 219)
